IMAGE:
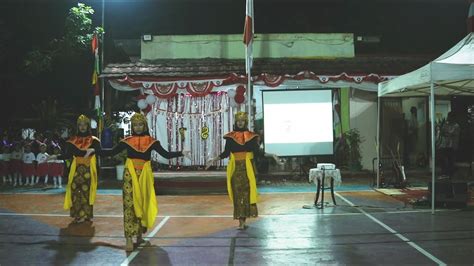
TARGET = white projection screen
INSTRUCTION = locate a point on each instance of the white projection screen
(298, 122)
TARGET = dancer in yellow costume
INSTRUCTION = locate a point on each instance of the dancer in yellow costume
(241, 145)
(82, 180)
(139, 201)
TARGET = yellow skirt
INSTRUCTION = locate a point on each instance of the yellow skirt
(139, 200)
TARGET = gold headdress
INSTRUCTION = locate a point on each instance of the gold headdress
(83, 119)
(241, 116)
(137, 118)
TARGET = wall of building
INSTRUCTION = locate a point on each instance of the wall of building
(230, 46)
(362, 104)
(363, 116)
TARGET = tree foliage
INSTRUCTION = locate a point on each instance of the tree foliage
(73, 45)
(61, 70)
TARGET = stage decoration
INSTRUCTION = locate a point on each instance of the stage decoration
(232, 102)
(199, 87)
(204, 133)
(231, 93)
(202, 120)
(239, 98)
(142, 104)
(169, 89)
(196, 103)
(150, 99)
(182, 133)
(147, 109)
(240, 90)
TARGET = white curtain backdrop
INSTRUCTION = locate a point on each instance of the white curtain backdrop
(194, 114)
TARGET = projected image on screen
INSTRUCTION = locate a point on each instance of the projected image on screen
(298, 122)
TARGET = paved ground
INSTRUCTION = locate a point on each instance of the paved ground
(365, 227)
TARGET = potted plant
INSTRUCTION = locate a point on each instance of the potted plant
(347, 149)
(120, 166)
(354, 140)
(111, 136)
(111, 130)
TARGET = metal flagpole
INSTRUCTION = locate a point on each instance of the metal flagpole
(249, 58)
(249, 99)
(433, 152)
(250, 71)
(102, 81)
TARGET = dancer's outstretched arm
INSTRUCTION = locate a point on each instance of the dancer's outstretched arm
(113, 151)
(254, 147)
(257, 150)
(69, 151)
(221, 156)
(167, 154)
(96, 148)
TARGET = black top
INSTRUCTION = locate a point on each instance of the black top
(72, 150)
(134, 154)
(232, 146)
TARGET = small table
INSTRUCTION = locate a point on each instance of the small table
(318, 175)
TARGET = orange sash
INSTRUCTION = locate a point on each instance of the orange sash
(82, 143)
(140, 143)
(241, 137)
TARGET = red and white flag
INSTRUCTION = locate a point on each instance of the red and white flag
(470, 18)
(95, 74)
(248, 35)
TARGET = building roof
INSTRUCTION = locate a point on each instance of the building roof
(360, 65)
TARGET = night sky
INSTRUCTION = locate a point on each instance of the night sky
(405, 27)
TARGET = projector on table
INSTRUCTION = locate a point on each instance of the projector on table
(326, 166)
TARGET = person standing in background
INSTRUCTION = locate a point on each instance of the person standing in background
(449, 142)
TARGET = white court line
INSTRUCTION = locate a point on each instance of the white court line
(415, 246)
(305, 192)
(223, 194)
(36, 193)
(54, 215)
(147, 238)
(222, 216)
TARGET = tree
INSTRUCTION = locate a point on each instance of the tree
(73, 45)
(62, 70)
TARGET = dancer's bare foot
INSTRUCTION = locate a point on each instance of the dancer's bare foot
(140, 240)
(242, 225)
(128, 244)
(143, 242)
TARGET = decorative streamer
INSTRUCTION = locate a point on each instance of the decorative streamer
(193, 113)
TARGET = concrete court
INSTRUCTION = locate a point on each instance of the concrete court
(366, 227)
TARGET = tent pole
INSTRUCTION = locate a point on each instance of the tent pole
(433, 155)
(377, 142)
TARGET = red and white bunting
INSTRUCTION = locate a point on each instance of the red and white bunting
(202, 87)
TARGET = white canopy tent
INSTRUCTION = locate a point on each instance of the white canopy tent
(450, 74)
